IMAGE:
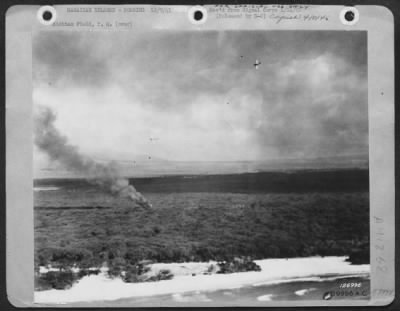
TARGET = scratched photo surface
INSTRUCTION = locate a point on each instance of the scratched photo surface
(200, 168)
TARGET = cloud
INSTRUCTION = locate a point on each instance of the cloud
(65, 58)
(200, 93)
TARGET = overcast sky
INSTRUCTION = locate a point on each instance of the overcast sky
(197, 96)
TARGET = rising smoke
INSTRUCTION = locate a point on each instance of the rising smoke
(48, 139)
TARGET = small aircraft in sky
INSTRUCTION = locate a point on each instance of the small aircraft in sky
(257, 64)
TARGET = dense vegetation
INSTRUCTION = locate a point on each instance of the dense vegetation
(84, 227)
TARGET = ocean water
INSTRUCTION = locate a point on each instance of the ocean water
(314, 278)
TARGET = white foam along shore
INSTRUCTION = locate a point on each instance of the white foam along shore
(45, 188)
(189, 277)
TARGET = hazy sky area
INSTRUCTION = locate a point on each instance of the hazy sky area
(197, 96)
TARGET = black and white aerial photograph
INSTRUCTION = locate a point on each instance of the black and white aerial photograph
(200, 168)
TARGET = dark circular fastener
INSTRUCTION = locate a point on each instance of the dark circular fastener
(349, 16)
(47, 15)
(198, 15)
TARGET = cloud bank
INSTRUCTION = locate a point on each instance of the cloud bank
(200, 96)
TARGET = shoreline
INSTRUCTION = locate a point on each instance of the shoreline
(97, 288)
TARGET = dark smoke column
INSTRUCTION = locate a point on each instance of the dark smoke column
(55, 145)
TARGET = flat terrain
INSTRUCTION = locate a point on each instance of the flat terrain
(344, 180)
(262, 215)
(279, 279)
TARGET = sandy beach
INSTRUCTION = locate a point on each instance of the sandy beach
(189, 277)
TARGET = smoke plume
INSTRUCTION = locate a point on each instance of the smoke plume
(55, 145)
